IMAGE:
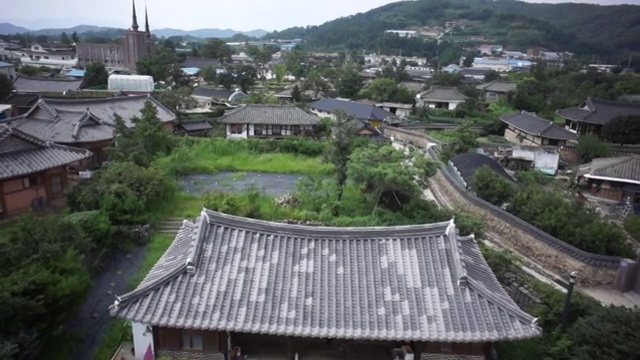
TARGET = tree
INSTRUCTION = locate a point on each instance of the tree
(144, 142)
(75, 38)
(491, 187)
(623, 130)
(350, 82)
(64, 38)
(95, 74)
(216, 48)
(178, 99)
(468, 59)
(29, 70)
(280, 71)
(463, 140)
(244, 76)
(6, 86)
(209, 74)
(443, 78)
(260, 98)
(315, 83)
(339, 149)
(591, 147)
(381, 90)
(612, 332)
(296, 63)
(296, 94)
(260, 55)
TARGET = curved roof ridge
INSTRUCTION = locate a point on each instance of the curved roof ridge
(96, 99)
(503, 300)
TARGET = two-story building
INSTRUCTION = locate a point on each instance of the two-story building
(60, 57)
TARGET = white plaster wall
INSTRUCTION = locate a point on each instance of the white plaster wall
(141, 339)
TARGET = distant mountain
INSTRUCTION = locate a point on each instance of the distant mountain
(7, 28)
(207, 33)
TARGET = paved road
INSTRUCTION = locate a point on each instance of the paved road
(91, 320)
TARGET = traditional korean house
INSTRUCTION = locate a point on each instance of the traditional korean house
(496, 90)
(268, 121)
(282, 291)
(527, 128)
(590, 116)
(32, 171)
(366, 112)
(616, 178)
(440, 97)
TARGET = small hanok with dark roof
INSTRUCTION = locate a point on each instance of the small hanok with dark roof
(590, 116)
(282, 291)
(268, 121)
(440, 97)
(616, 178)
(32, 171)
(369, 113)
(496, 90)
(528, 128)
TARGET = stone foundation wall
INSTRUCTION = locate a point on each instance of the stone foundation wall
(187, 355)
(526, 244)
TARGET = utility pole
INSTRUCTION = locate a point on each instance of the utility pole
(567, 300)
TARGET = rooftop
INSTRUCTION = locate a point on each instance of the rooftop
(599, 111)
(623, 168)
(22, 154)
(269, 114)
(498, 86)
(27, 84)
(467, 163)
(351, 108)
(417, 282)
(441, 93)
(531, 123)
(199, 63)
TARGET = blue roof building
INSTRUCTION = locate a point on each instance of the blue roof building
(76, 73)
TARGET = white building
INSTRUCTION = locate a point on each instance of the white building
(440, 97)
(499, 65)
(267, 121)
(131, 83)
(38, 55)
(402, 33)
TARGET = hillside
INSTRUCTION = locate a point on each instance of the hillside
(208, 33)
(580, 28)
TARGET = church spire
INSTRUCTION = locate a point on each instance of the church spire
(134, 23)
(146, 22)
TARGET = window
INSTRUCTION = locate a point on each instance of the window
(276, 130)
(258, 130)
(31, 181)
(56, 185)
(295, 129)
(236, 128)
(191, 340)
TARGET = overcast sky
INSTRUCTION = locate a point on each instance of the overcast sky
(194, 14)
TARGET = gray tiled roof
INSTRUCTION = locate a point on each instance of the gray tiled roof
(269, 114)
(467, 163)
(599, 111)
(22, 100)
(200, 63)
(215, 93)
(532, 124)
(441, 93)
(498, 86)
(417, 282)
(351, 108)
(411, 85)
(625, 168)
(25, 84)
(22, 154)
(197, 125)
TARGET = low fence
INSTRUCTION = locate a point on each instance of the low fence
(550, 252)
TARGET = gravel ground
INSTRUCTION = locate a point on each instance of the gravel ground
(270, 184)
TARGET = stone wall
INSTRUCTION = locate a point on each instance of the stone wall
(524, 243)
(187, 355)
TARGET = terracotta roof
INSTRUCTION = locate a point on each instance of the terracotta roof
(22, 154)
(351, 108)
(417, 282)
(531, 123)
(26, 84)
(441, 93)
(599, 111)
(269, 114)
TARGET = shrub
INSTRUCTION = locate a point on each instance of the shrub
(95, 226)
(632, 225)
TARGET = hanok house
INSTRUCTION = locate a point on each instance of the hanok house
(528, 128)
(284, 291)
(496, 90)
(268, 121)
(365, 112)
(32, 171)
(616, 178)
(465, 165)
(35, 85)
(20, 103)
(85, 123)
(590, 116)
(439, 97)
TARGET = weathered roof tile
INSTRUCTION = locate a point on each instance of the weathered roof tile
(531, 123)
(269, 114)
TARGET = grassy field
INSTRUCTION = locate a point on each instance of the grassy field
(212, 155)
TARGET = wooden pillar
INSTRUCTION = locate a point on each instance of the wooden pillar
(290, 349)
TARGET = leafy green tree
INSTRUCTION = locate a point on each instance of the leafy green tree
(443, 78)
(95, 74)
(463, 139)
(280, 71)
(143, 142)
(315, 83)
(296, 61)
(491, 187)
(161, 67)
(385, 89)
(260, 98)
(29, 70)
(340, 148)
(591, 147)
(260, 55)
(6, 86)
(178, 99)
(468, 59)
(623, 130)
(75, 38)
(209, 74)
(296, 94)
(218, 49)
(64, 38)
(244, 76)
(350, 82)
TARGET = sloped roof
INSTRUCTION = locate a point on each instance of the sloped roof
(417, 282)
(351, 108)
(214, 93)
(498, 86)
(196, 125)
(4, 64)
(26, 84)
(599, 111)
(22, 154)
(269, 114)
(200, 63)
(532, 124)
(623, 168)
(441, 93)
(19, 99)
(467, 163)
(411, 85)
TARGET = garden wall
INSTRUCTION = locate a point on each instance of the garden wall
(524, 238)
